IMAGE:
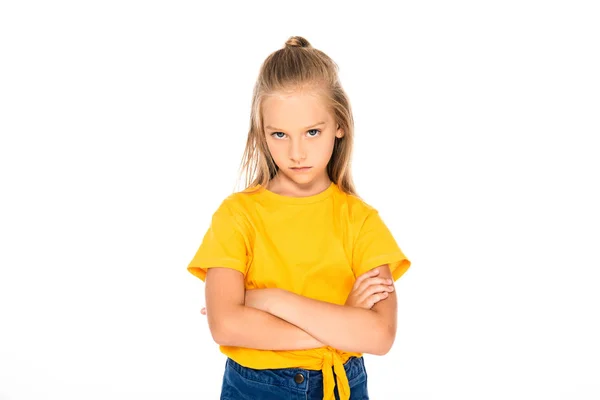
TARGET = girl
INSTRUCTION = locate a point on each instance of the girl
(299, 270)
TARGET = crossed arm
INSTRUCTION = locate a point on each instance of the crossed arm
(275, 319)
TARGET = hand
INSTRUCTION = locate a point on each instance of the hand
(369, 290)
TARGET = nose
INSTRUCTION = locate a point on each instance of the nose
(297, 150)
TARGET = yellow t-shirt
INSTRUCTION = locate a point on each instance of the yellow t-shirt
(313, 246)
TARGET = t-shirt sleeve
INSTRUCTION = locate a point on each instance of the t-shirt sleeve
(375, 246)
(224, 245)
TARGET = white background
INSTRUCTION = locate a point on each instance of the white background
(122, 128)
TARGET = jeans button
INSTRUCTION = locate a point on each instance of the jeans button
(299, 378)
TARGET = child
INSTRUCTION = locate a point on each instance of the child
(299, 270)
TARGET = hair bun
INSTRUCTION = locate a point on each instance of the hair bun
(297, 41)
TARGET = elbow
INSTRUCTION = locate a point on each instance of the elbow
(223, 330)
(385, 341)
(220, 336)
(385, 345)
(223, 335)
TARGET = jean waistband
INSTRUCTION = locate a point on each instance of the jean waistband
(287, 377)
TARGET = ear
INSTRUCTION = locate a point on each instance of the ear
(339, 133)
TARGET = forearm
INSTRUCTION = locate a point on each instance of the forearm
(252, 328)
(342, 327)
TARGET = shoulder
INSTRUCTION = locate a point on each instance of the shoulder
(240, 202)
(237, 207)
(358, 208)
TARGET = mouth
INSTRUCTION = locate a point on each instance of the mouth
(301, 168)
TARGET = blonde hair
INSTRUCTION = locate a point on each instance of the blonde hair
(298, 65)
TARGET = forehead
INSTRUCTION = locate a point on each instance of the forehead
(291, 110)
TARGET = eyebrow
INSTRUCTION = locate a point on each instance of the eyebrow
(308, 127)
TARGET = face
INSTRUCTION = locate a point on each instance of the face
(300, 132)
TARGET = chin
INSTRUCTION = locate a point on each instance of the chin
(301, 179)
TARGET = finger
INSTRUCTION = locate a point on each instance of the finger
(374, 289)
(372, 281)
(377, 289)
(368, 274)
(366, 288)
(376, 298)
(376, 281)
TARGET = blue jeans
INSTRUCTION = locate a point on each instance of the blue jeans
(243, 383)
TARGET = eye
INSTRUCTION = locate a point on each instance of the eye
(276, 134)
